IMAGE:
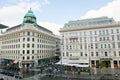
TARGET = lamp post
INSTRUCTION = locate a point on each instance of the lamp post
(89, 61)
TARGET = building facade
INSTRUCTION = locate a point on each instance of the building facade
(87, 42)
(28, 44)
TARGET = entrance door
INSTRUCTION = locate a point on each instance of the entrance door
(107, 64)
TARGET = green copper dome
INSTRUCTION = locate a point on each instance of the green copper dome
(30, 14)
(29, 18)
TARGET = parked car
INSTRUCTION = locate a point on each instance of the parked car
(2, 71)
(10, 73)
(20, 76)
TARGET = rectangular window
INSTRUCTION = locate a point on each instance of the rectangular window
(112, 37)
(81, 54)
(32, 51)
(23, 39)
(28, 33)
(23, 45)
(95, 32)
(28, 52)
(96, 53)
(28, 39)
(33, 39)
(67, 54)
(92, 54)
(114, 53)
(28, 45)
(23, 51)
(32, 45)
(107, 32)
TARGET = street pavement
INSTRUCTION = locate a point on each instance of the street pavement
(104, 74)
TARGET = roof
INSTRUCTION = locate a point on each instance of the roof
(13, 27)
(3, 26)
(40, 27)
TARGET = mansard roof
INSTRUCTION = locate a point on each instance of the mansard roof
(20, 25)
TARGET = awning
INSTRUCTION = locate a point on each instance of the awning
(1, 58)
(4, 61)
(73, 64)
(16, 61)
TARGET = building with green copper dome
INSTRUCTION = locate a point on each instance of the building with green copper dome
(28, 44)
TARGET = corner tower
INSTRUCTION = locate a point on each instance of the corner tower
(29, 18)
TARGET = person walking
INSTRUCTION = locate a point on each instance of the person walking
(78, 71)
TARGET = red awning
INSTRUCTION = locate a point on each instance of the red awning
(1, 58)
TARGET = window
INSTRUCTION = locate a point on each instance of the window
(119, 53)
(117, 30)
(85, 54)
(28, 45)
(105, 46)
(105, 53)
(28, 33)
(32, 45)
(107, 32)
(33, 34)
(28, 51)
(23, 57)
(67, 54)
(118, 37)
(23, 51)
(90, 32)
(92, 54)
(28, 57)
(33, 39)
(23, 45)
(108, 45)
(95, 32)
(32, 57)
(32, 51)
(114, 53)
(113, 44)
(81, 54)
(28, 39)
(112, 31)
(23, 39)
(96, 53)
(112, 37)
(63, 54)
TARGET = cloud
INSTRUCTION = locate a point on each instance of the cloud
(51, 26)
(13, 14)
(112, 9)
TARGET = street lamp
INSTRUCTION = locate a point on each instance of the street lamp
(89, 59)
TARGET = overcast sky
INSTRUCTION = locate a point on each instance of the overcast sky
(53, 14)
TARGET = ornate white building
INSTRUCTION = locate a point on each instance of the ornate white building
(28, 44)
(91, 41)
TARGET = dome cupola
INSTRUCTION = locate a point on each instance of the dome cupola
(29, 18)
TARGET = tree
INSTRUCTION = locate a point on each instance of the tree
(101, 65)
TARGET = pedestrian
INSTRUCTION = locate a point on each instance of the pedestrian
(66, 72)
(12, 78)
(3, 77)
(95, 71)
(78, 71)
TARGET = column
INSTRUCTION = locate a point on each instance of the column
(112, 64)
(20, 64)
(118, 63)
(36, 63)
